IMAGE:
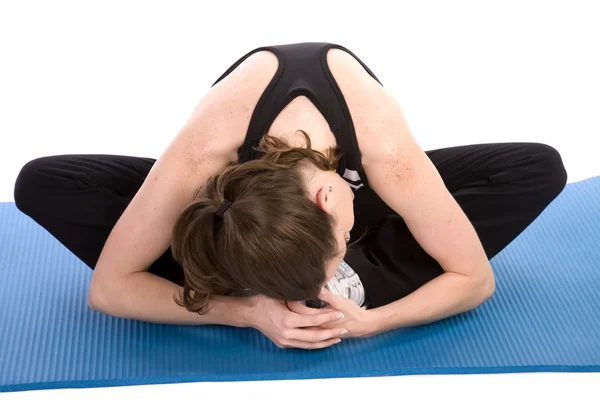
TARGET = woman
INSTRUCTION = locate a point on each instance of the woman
(249, 199)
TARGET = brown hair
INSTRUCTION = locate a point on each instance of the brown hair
(273, 240)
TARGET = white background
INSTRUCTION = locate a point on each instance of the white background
(122, 77)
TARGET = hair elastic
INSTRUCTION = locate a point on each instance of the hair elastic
(223, 208)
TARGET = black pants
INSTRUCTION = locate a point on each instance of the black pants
(502, 188)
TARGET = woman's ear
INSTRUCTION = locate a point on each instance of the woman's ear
(324, 198)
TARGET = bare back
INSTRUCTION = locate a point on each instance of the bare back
(302, 114)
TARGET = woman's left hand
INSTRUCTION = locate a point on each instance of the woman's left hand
(357, 321)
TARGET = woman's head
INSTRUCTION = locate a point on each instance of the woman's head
(282, 231)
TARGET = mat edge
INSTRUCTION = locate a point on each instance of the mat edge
(199, 378)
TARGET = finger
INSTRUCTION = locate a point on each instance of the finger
(311, 346)
(314, 335)
(295, 320)
(330, 325)
(334, 301)
(300, 308)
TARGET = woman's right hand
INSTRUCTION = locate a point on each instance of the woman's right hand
(287, 328)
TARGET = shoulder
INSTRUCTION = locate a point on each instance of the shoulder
(378, 119)
(218, 123)
(349, 74)
(235, 96)
(246, 83)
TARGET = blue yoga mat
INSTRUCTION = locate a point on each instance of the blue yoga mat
(544, 317)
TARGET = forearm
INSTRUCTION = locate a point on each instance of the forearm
(442, 297)
(147, 297)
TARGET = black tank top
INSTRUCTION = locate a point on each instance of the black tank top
(303, 71)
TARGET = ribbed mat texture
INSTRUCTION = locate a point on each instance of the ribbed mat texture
(544, 316)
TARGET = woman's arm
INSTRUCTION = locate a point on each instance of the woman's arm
(404, 177)
(120, 285)
(208, 142)
(147, 297)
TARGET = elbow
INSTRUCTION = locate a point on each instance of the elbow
(98, 299)
(486, 286)
(95, 299)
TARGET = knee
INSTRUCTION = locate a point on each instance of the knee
(29, 184)
(551, 170)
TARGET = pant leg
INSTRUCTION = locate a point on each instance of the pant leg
(502, 188)
(79, 199)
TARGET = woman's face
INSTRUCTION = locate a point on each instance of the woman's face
(341, 206)
(333, 195)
